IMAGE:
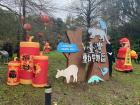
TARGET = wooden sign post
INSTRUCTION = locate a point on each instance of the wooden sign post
(96, 56)
(75, 36)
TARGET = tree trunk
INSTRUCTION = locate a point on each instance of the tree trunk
(24, 15)
(76, 58)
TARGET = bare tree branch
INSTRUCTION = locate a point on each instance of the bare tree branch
(32, 6)
(9, 9)
(88, 9)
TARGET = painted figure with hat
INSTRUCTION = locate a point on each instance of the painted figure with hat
(123, 62)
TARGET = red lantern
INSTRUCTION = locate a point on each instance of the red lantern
(27, 26)
(44, 18)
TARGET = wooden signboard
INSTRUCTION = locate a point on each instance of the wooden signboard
(75, 36)
(96, 57)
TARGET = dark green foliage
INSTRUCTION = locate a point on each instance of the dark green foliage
(11, 29)
(129, 30)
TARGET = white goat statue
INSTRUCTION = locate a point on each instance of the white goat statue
(94, 31)
(72, 70)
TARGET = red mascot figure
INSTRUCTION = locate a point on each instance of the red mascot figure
(123, 62)
(47, 47)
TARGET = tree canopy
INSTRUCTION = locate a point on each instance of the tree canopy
(122, 17)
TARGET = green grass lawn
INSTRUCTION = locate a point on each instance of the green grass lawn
(121, 89)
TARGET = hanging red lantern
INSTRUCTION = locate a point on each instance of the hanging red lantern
(44, 18)
(27, 26)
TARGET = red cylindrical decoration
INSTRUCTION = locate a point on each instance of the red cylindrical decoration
(13, 72)
(27, 51)
(40, 78)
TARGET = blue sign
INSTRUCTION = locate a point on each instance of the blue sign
(67, 48)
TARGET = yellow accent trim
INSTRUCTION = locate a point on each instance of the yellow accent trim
(40, 85)
(40, 57)
(13, 64)
(128, 58)
(29, 44)
(12, 84)
(26, 82)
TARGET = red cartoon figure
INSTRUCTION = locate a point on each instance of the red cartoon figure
(47, 47)
(123, 62)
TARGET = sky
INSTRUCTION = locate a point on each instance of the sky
(62, 4)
